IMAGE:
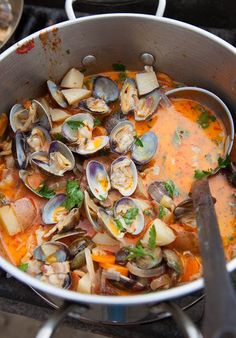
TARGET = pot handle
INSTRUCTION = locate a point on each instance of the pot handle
(71, 14)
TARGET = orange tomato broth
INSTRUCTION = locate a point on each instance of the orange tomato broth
(175, 162)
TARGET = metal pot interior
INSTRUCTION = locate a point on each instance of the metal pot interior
(184, 52)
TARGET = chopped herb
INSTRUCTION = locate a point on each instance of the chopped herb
(74, 196)
(122, 76)
(171, 188)
(119, 224)
(199, 174)
(68, 51)
(230, 238)
(205, 118)
(45, 191)
(152, 237)
(101, 198)
(97, 122)
(130, 215)
(118, 67)
(59, 137)
(74, 125)
(179, 134)
(23, 267)
(83, 70)
(147, 212)
(162, 212)
(138, 251)
(138, 141)
(223, 163)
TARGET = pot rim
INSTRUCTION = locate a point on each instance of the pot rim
(73, 296)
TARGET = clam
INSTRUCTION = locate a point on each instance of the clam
(184, 213)
(112, 120)
(53, 210)
(122, 137)
(23, 119)
(91, 210)
(51, 252)
(79, 130)
(159, 193)
(146, 105)
(109, 224)
(127, 94)
(124, 176)
(98, 180)
(143, 154)
(20, 149)
(77, 250)
(56, 94)
(95, 106)
(149, 261)
(72, 233)
(124, 283)
(57, 161)
(24, 176)
(106, 89)
(129, 215)
(39, 139)
(173, 260)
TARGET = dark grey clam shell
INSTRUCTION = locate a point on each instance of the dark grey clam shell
(57, 250)
(56, 94)
(142, 155)
(112, 120)
(95, 106)
(20, 150)
(105, 88)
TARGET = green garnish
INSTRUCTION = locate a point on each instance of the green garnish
(171, 188)
(179, 134)
(23, 267)
(118, 67)
(205, 118)
(138, 141)
(83, 70)
(224, 163)
(147, 212)
(122, 76)
(101, 198)
(130, 215)
(75, 125)
(162, 212)
(97, 122)
(75, 195)
(68, 51)
(119, 224)
(45, 191)
(60, 138)
(199, 174)
(138, 251)
(152, 237)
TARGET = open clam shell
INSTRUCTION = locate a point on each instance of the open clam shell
(91, 210)
(143, 154)
(146, 105)
(39, 139)
(106, 89)
(57, 161)
(109, 224)
(23, 174)
(122, 137)
(130, 215)
(20, 150)
(98, 180)
(51, 252)
(124, 176)
(95, 106)
(53, 210)
(56, 94)
(127, 94)
(70, 132)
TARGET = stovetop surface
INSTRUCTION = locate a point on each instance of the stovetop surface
(215, 16)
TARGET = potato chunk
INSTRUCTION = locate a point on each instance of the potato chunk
(146, 82)
(58, 115)
(25, 212)
(73, 79)
(9, 221)
(75, 95)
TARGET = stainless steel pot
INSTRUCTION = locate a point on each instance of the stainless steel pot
(187, 53)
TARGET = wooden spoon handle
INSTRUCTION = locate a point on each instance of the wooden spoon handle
(220, 306)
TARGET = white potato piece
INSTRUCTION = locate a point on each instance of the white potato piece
(146, 82)
(25, 212)
(164, 234)
(58, 115)
(75, 95)
(73, 79)
(85, 284)
(8, 220)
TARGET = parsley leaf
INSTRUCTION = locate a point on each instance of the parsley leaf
(205, 118)
(147, 212)
(74, 125)
(162, 212)
(101, 198)
(171, 188)
(138, 251)
(118, 67)
(23, 267)
(138, 141)
(60, 138)
(179, 134)
(97, 122)
(74, 196)
(152, 237)
(130, 215)
(122, 76)
(119, 224)
(45, 191)
(198, 174)
(223, 163)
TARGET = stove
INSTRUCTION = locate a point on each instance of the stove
(215, 16)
